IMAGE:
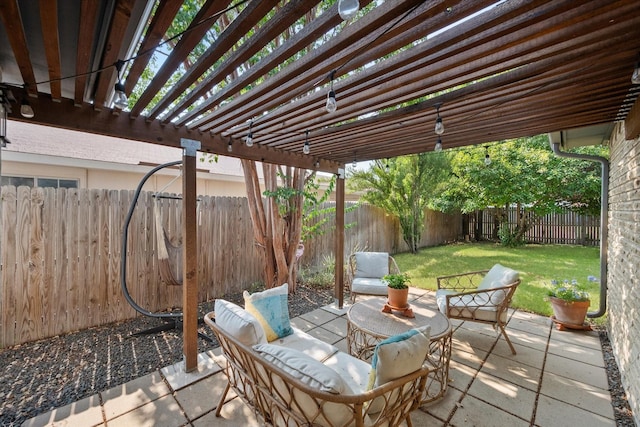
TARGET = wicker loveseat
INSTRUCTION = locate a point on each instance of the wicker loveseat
(281, 398)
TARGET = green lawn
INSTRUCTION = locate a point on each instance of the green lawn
(537, 264)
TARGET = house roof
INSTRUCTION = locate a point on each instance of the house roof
(27, 138)
(494, 70)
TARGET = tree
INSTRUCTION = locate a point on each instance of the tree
(404, 186)
(277, 224)
(526, 174)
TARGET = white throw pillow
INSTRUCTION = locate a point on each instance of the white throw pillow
(371, 264)
(238, 323)
(396, 357)
(271, 308)
(400, 355)
(497, 277)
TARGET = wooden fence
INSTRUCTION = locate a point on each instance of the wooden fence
(61, 254)
(565, 228)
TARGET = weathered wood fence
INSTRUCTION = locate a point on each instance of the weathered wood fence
(565, 228)
(61, 254)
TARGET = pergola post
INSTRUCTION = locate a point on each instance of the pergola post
(339, 249)
(189, 255)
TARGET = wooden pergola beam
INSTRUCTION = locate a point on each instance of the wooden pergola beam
(121, 125)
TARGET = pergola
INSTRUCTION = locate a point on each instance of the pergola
(492, 70)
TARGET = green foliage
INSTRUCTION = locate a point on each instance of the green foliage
(523, 171)
(404, 186)
(567, 291)
(323, 277)
(397, 281)
(510, 238)
(316, 220)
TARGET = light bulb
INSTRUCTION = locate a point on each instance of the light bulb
(635, 77)
(25, 110)
(229, 147)
(249, 140)
(355, 163)
(439, 129)
(317, 164)
(306, 149)
(386, 168)
(332, 105)
(121, 98)
(487, 159)
(348, 8)
(438, 146)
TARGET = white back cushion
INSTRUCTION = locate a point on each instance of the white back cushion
(304, 368)
(371, 264)
(238, 323)
(497, 277)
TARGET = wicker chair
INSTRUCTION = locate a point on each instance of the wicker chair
(366, 270)
(479, 296)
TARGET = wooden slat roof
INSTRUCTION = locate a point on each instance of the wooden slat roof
(497, 70)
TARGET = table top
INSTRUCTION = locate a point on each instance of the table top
(367, 315)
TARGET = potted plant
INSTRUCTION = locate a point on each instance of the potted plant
(398, 287)
(569, 304)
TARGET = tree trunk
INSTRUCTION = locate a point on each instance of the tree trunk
(277, 223)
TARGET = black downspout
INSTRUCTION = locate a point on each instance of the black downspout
(604, 220)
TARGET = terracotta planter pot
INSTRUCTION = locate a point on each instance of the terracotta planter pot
(398, 297)
(569, 313)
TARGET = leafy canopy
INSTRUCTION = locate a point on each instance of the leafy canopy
(404, 186)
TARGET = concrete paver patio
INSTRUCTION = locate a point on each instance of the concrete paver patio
(558, 378)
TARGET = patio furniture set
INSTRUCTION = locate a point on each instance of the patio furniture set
(395, 363)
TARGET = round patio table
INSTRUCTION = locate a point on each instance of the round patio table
(367, 325)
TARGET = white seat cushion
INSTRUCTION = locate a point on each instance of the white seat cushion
(369, 286)
(354, 371)
(312, 347)
(469, 307)
(314, 374)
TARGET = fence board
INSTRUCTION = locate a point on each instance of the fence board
(36, 243)
(9, 263)
(25, 294)
(84, 244)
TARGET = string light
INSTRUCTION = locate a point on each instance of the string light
(306, 149)
(635, 77)
(121, 100)
(25, 108)
(347, 9)
(439, 128)
(4, 104)
(386, 166)
(229, 146)
(487, 158)
(249, 138)
(331, 105)
(438, 146)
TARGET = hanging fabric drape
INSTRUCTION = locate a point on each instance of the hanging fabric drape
(169, 255)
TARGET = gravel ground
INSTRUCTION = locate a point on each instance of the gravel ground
(39, 376)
